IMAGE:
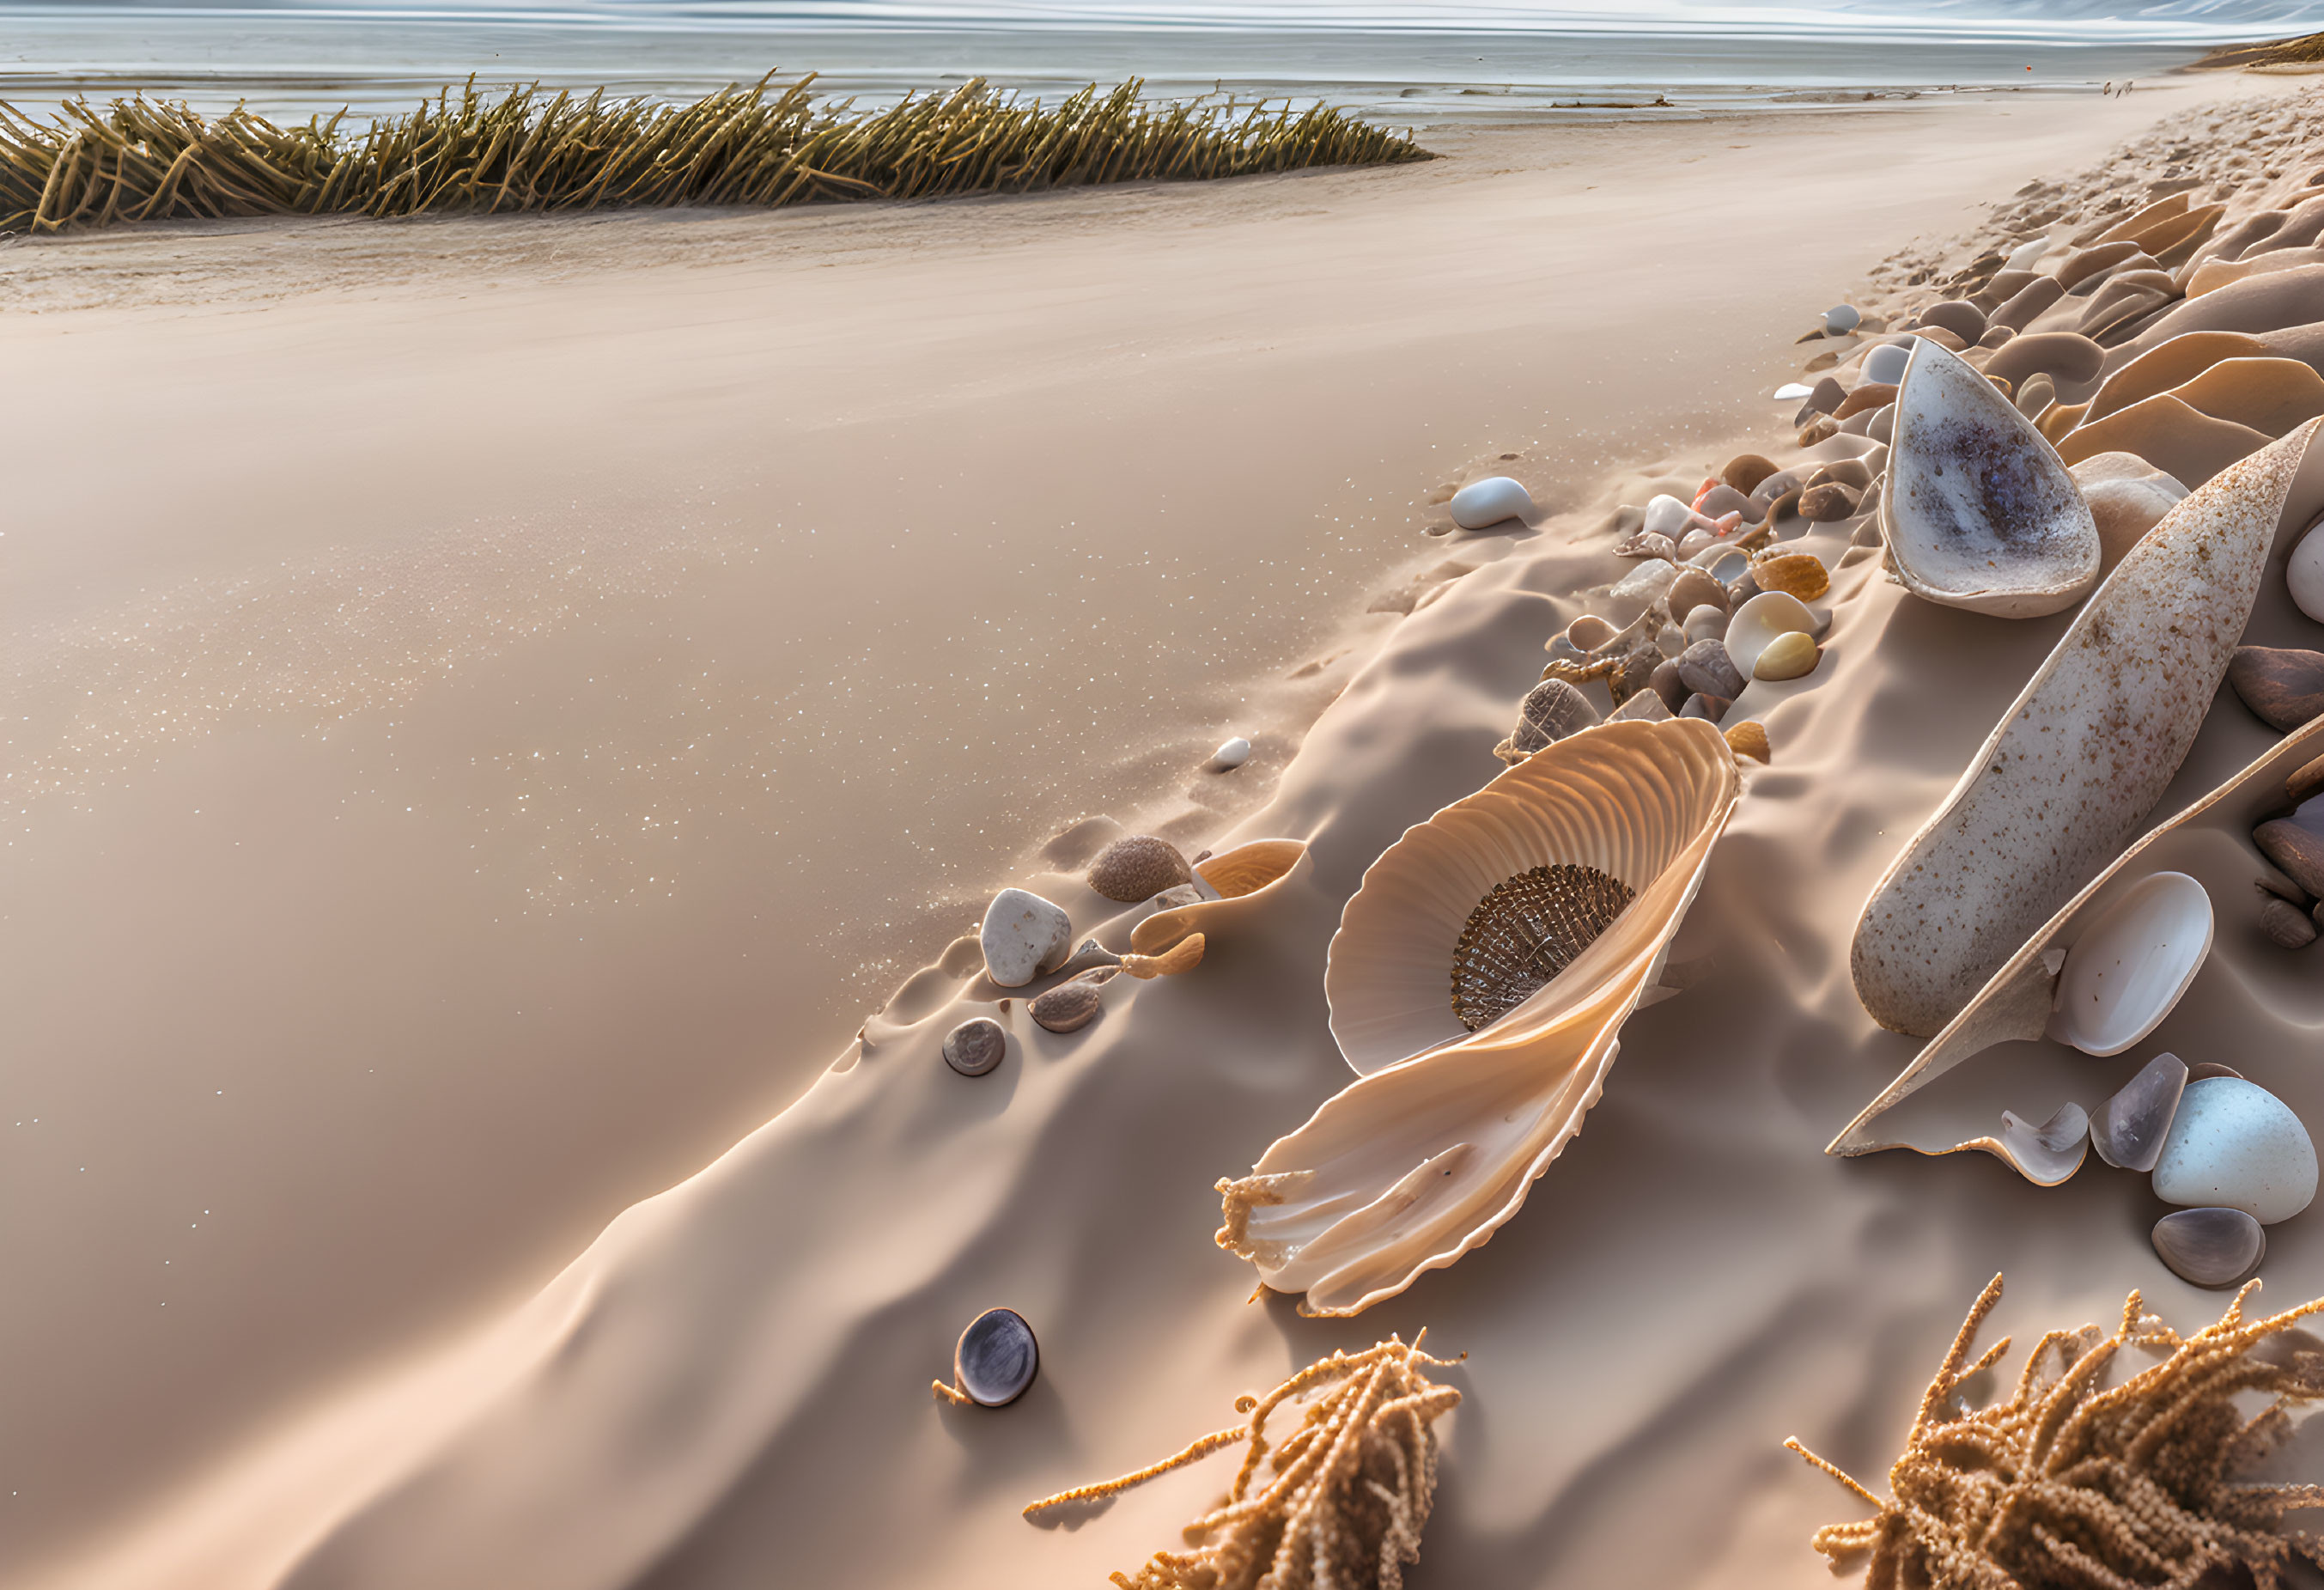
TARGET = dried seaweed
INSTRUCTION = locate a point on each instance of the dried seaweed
(1351, 1489)
(2068, 1486)
(141, 160)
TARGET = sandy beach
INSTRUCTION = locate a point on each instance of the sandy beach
(505, 717)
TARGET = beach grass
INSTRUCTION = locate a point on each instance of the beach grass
(2301, 51)
(466, 151)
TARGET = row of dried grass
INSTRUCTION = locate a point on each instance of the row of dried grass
(2298, 51)
(141, 160)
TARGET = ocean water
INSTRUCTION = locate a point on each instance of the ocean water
(1413, 62)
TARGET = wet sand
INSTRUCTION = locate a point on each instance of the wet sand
(492, 708)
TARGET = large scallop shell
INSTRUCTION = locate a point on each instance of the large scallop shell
(1424, 1156)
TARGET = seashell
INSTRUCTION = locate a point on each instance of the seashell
(996, 1359)
(2283, 686)
(1758, 621)
(1725, 565)
(1074, 1005)
(2065, 356)
(2020, 999)
(2131, 963)
(2234, 1144)
(1964, 321)
(1797, 574)
(1433, 1148)
(1648, 543)
(2303, 574)
(1749, 739)
(1137, 867)
(1707, 668)
(2296, 844)
(1787, 657)
(2287, 924)
(2169, 433)
(2210, 1247)
(1791, 392)
(2047, 1154)
(1822, 504)
(1484, 502)
(1885, 365)
(2167, 365)
(1589, 631)
(1527, 930)
(2080, 757)
(2129, 1128)
(1840, 319)
(1231, 755)
(1667, 515)
(975, 1046)
(1241, 877)
(1557, 708)
(1639, 589)
(1023, 937)
(1181, 957)
(1694, 588)
(1980, 512)
(1744, 471)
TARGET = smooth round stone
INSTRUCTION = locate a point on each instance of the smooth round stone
(1708, 669)
(1823, 504)
(2235, 1145)
(2210, 1247)
(1024, 936)
(2303, 572)
(997, 1358)
(1791, 392)
(2129, 1129)
(975, 1046)
(1706, 623)
(1885, 365)
(1694, 588)
(1137, 866)
(1483, 503)
(1789, 656)
(1232, 754)
(1841, 318)
(1072, 1005)
(1666, 515)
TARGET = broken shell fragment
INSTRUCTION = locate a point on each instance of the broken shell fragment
(996, 1359)
(1436, 1145)
(1023, 937)
(2129, 1129)
(1137, 867)
(2129, 967)
(2215, 1247)
(1979, 511)
(975, 1046)
(1074, 1005)
(1484, 502)
(2047, 1154)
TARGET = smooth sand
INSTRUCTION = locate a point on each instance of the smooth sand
(492, 706)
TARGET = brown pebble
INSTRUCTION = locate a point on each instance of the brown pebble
(1824, 504)
(1074, 1005)
(1828, 395)
(1693, 588)
(975, 1046)
(1865, 399)
(1822, 428)
(2284, 687)
(1799, 574)
(1744, 471)
(2287, 924)
(1853, 472)
(1749, 739)
(1964, 321)
(1137, 867)
(2297, 849)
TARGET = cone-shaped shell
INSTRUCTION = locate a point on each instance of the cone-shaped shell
(2021, 1000)
(1980, 512)
(2080, 757)
(1419, 1160)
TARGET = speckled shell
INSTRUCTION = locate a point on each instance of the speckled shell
(1979, 511)
(1426, 1155)
(2081, 756)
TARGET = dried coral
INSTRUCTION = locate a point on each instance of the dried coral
(2067, 1484)
(1350, 1491)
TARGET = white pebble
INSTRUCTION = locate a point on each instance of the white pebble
(1481, 503)
(2304, 571)
(1233, 754)
(2234, 1145)
(1793, 392)
(1885, 365)
(1024, 936)
(1666, 515)
(1841, 318)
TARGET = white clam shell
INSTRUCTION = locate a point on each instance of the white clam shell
(1979, 512)
(2234, 1145)
(1433, 1147)
(1483, 503)
(2077, 761)
(1757, 623)
(2130, 965)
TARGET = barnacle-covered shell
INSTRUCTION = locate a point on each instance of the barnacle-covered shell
(1979, 511)
(1421, 1159)
(1137, 867)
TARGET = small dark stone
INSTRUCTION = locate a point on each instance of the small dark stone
(1636, 672)
(996, 1359)
(2210, 1247)
(1708, 707)
(1667, 683)
(1074, 1005)
(975, 1046)
(1827, 397)
(1706, 668)
(1824, 504)
(1746, 471)
(2284, 687)
(1723, 499)
(1964, 321)
(1557, 709)
(2287, 924)
(2295, 845)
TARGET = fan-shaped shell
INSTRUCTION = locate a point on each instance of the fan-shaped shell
(1424, 1156)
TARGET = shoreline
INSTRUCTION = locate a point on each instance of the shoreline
(1580, 517)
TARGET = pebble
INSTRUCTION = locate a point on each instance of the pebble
(2129, 1128)
(1589, 631)
(997, 1358)
(1744, 471)
(1706, 623)
(1639, 589)
(1666, 515)
(975, 1046)
(1885, 365)
(1749, 739)
(1706, 668)
(1787, 657)
(1791, 392)
(1645, 706)
(1670, 640)
(1694, 541)
(2287, 924)
(1841, 318)
(2304, 571)
(1231, 755)
(1668, 683)
(2235, 1143)
(1648, 543)
(1882, 427)
(1851, 472)
(1823, 505)
(1137, 867)
(1797, 574)
(1483, 503)
(1867, 396)
(1072, 1005)
(1557, 708)
(1694, 588)
(1964, 321)
(1827, 395)
(2295, 845)
(1723, 499)
(1023, 936)
(2283, 686)
(2210, 1247)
